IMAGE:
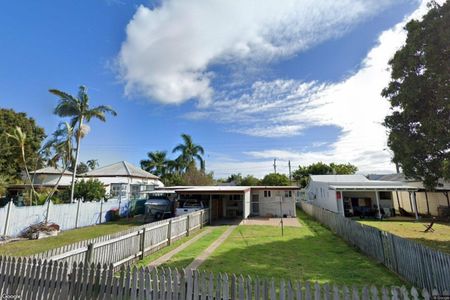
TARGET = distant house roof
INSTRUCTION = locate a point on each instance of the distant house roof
(120, 169)
(360, 182)
(339, 178)
(50, 171)
(443, 185)
(230, 189)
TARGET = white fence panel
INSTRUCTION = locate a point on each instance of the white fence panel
(63, 215)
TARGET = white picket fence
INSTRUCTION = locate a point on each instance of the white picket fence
(14, 219)
(420, 265)
(31, 279)
(126, 246)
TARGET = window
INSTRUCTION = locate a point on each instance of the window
(118, 189)
(288, 194)
(267, 194)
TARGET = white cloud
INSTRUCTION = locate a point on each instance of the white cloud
(354, 105)
(169, 50)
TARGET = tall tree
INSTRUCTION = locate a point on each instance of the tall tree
(250, 180)
(419, 91)
(11, 164)
(80, 113)
(275, 179)
(190, 152)
(156, 163)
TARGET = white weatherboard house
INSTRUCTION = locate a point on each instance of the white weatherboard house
(244, 201)
(355, 195)
(124, 180)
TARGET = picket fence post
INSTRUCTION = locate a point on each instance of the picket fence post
(101, 212)
(142, 244)
(169, 233)
(78, 212)
(8, 211)
(188, 225)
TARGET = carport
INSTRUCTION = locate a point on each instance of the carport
(223, 202)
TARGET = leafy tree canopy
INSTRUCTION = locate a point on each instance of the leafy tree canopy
(193, 176)
(250, 180)
(11, 164)
(275, 179)
(419, 126)
(301, 175)
(236, 178)
(89, 190)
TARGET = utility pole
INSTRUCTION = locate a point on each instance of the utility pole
(290, 174)
(275, 165)
(281, 216)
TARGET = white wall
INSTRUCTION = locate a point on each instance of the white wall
(107, 181)
(320, 194)
(270, 206)
(52, 179)
(62, 214)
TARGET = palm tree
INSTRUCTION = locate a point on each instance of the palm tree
(61, 145)
(20, 137)
(190, 152)
(77, 108)
(156, 163)
(92, 163)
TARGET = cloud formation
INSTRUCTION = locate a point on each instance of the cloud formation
(169, 50)
(287, 107)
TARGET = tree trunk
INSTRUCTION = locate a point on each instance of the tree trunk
(74, 174)
(56, 185)
(28, 175)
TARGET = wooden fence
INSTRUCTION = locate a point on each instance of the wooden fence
(127, 246)
(32, 279)
(418, 264)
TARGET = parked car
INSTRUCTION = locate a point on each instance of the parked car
(189, 206)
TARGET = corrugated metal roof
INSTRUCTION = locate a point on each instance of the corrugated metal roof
(120, 169)
(338, 178)
(51, 170)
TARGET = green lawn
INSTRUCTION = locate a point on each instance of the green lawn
(311, 252)
(184, 258)
(28, 247)
(439, 239)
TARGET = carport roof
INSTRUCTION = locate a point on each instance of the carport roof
(214, 189)
(375, 185)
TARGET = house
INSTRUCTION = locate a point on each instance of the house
(355, 195)
(243, 201)
(43, 178)
(124, 180)
(429, 202)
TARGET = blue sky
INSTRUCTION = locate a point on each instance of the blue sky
(249, 82)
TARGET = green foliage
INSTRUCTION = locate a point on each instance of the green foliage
(419, 126)
(236, 178)
(157, 163)
(92, 164)
(89, 190)
(4, 181)
(193, 176)
(275, 179)
(11, 163)
(301, 175)
(172, 179)
(250, 180)
(82, 168)
(189, 152)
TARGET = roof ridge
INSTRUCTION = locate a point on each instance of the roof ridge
(126, 167)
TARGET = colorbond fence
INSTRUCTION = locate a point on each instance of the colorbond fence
(14, 219)
(127, 246)
(418, 264)
(31, 279)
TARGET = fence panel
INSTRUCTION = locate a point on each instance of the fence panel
(28, 279)
(420, 265)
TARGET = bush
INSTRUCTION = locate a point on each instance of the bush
(275, 179)
(89, 190)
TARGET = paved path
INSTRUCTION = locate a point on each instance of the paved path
(205, 254)
(169, 255)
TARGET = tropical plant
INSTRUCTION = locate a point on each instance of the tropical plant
(4, 181)
(80, 113)
(90, 190)
(189, 152)
(21, 138)
(156, 163)
(82, 168)
(92, 163)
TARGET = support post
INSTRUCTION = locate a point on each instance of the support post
(398, 201)
(142, 244)
(210, 209)
(78, 212)
(428, 205)
(47, 213)
(377, 197)
(101, 212)
(8, 211)
(169, 233)
(188, 225)
(415, 205)
(89, 252)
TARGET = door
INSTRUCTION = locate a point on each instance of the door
(255, 205)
